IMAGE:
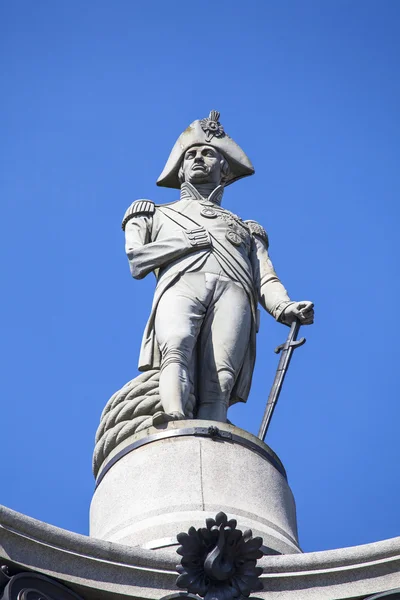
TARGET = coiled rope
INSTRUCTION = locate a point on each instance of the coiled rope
(129, 411)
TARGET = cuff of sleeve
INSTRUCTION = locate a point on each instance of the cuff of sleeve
(279, 310)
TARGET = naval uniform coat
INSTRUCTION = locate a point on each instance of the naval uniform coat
(162, 239)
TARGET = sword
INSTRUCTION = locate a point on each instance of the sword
(287, 349)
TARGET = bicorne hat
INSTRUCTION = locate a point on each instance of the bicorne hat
(206, 131)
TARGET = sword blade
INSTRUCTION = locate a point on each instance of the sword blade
(287, 350)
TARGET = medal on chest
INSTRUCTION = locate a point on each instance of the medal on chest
(208, 212)
(235, 233)
(233, 236)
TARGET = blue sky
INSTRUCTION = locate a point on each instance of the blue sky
(94, 95)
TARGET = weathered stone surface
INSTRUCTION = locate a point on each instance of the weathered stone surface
(163, 487)
(212, 269)
(99, 570)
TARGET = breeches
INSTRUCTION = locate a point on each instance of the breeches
(203, 323)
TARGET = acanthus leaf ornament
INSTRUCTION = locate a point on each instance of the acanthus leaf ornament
(212, 127)
(219, 561)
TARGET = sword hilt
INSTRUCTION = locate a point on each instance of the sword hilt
(292, 344)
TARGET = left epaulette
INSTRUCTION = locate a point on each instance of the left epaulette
(256, 229)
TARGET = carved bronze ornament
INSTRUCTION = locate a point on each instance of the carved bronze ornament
(219, 561)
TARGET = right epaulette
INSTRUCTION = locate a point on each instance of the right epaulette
(139, 207)
(256, 229)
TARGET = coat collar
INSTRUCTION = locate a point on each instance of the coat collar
(189, 192)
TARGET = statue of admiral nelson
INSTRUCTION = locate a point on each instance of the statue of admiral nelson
(212, 270)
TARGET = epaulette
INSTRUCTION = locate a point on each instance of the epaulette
(139, 207)
(256, 229)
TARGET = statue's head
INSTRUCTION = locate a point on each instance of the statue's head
(204, 153)
(203, 163)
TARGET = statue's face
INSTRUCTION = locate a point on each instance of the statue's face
(202, 164)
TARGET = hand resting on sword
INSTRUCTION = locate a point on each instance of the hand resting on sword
(302, 311)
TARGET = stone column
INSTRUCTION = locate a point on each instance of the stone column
(162, 481)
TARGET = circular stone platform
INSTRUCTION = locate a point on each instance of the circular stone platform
(164, 480)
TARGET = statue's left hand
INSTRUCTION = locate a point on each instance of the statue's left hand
(303, 311)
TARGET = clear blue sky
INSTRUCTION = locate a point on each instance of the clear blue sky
(93, 96)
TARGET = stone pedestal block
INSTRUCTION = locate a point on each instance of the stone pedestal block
(162, 481)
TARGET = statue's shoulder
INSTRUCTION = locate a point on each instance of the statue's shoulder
(168, 203)
(257, 229)
(138, 207)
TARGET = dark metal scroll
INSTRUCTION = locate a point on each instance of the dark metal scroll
(287, 350)
(32, 586)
